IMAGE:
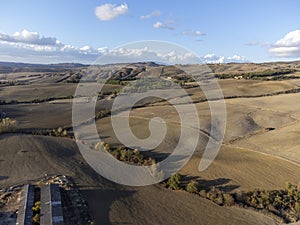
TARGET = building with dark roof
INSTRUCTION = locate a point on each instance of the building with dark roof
(51, 205)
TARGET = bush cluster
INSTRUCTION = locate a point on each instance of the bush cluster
(103, 113)
(258, 74)
(128, 155)
(176, 182)
(34, 101)
(36, 213)
(282, 203)
(59, 132)
(149, 83)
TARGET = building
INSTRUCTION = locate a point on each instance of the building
(25, 213)
(51, 205)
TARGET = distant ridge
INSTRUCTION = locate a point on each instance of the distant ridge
(8, 67)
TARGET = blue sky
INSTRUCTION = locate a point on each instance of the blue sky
(219, 31)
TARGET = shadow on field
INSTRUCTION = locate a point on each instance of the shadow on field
(160, 156)
(100, 201)
(220, 183)
(4, 177)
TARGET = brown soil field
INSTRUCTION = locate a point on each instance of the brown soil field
(259, 150)
(28, 157)
(42, 91)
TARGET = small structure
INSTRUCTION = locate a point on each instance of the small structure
(51, 205)
(25, 213)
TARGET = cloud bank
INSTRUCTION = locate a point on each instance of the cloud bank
(108, 11)
(212, 58)
(31, 47)
(29, 38)
(288, 46)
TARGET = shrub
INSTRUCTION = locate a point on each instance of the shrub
(202, 193)
(113, 81)
(192, 187)
(297, 207)
(277, 201)
(64, 133)
(228, 200)
(264, 198)
(103, 113)
(36, 212)
(219, 200)
(7, 125)
(60, 132)
(213, 193)
(174, 182)
(290, 188)
(36, 219)
(36, 208)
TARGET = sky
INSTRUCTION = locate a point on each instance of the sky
(215, 31)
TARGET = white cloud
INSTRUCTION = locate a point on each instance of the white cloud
(158, 25)
(30, 46)
(196, 33)
(212, 58)
(110, 11)
(102, 50)
(288, 46)
(152, 14)
(165, 25)
(29, 38)
(236, 58)
(33, 41)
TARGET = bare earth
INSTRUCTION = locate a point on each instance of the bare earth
(260, 148)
